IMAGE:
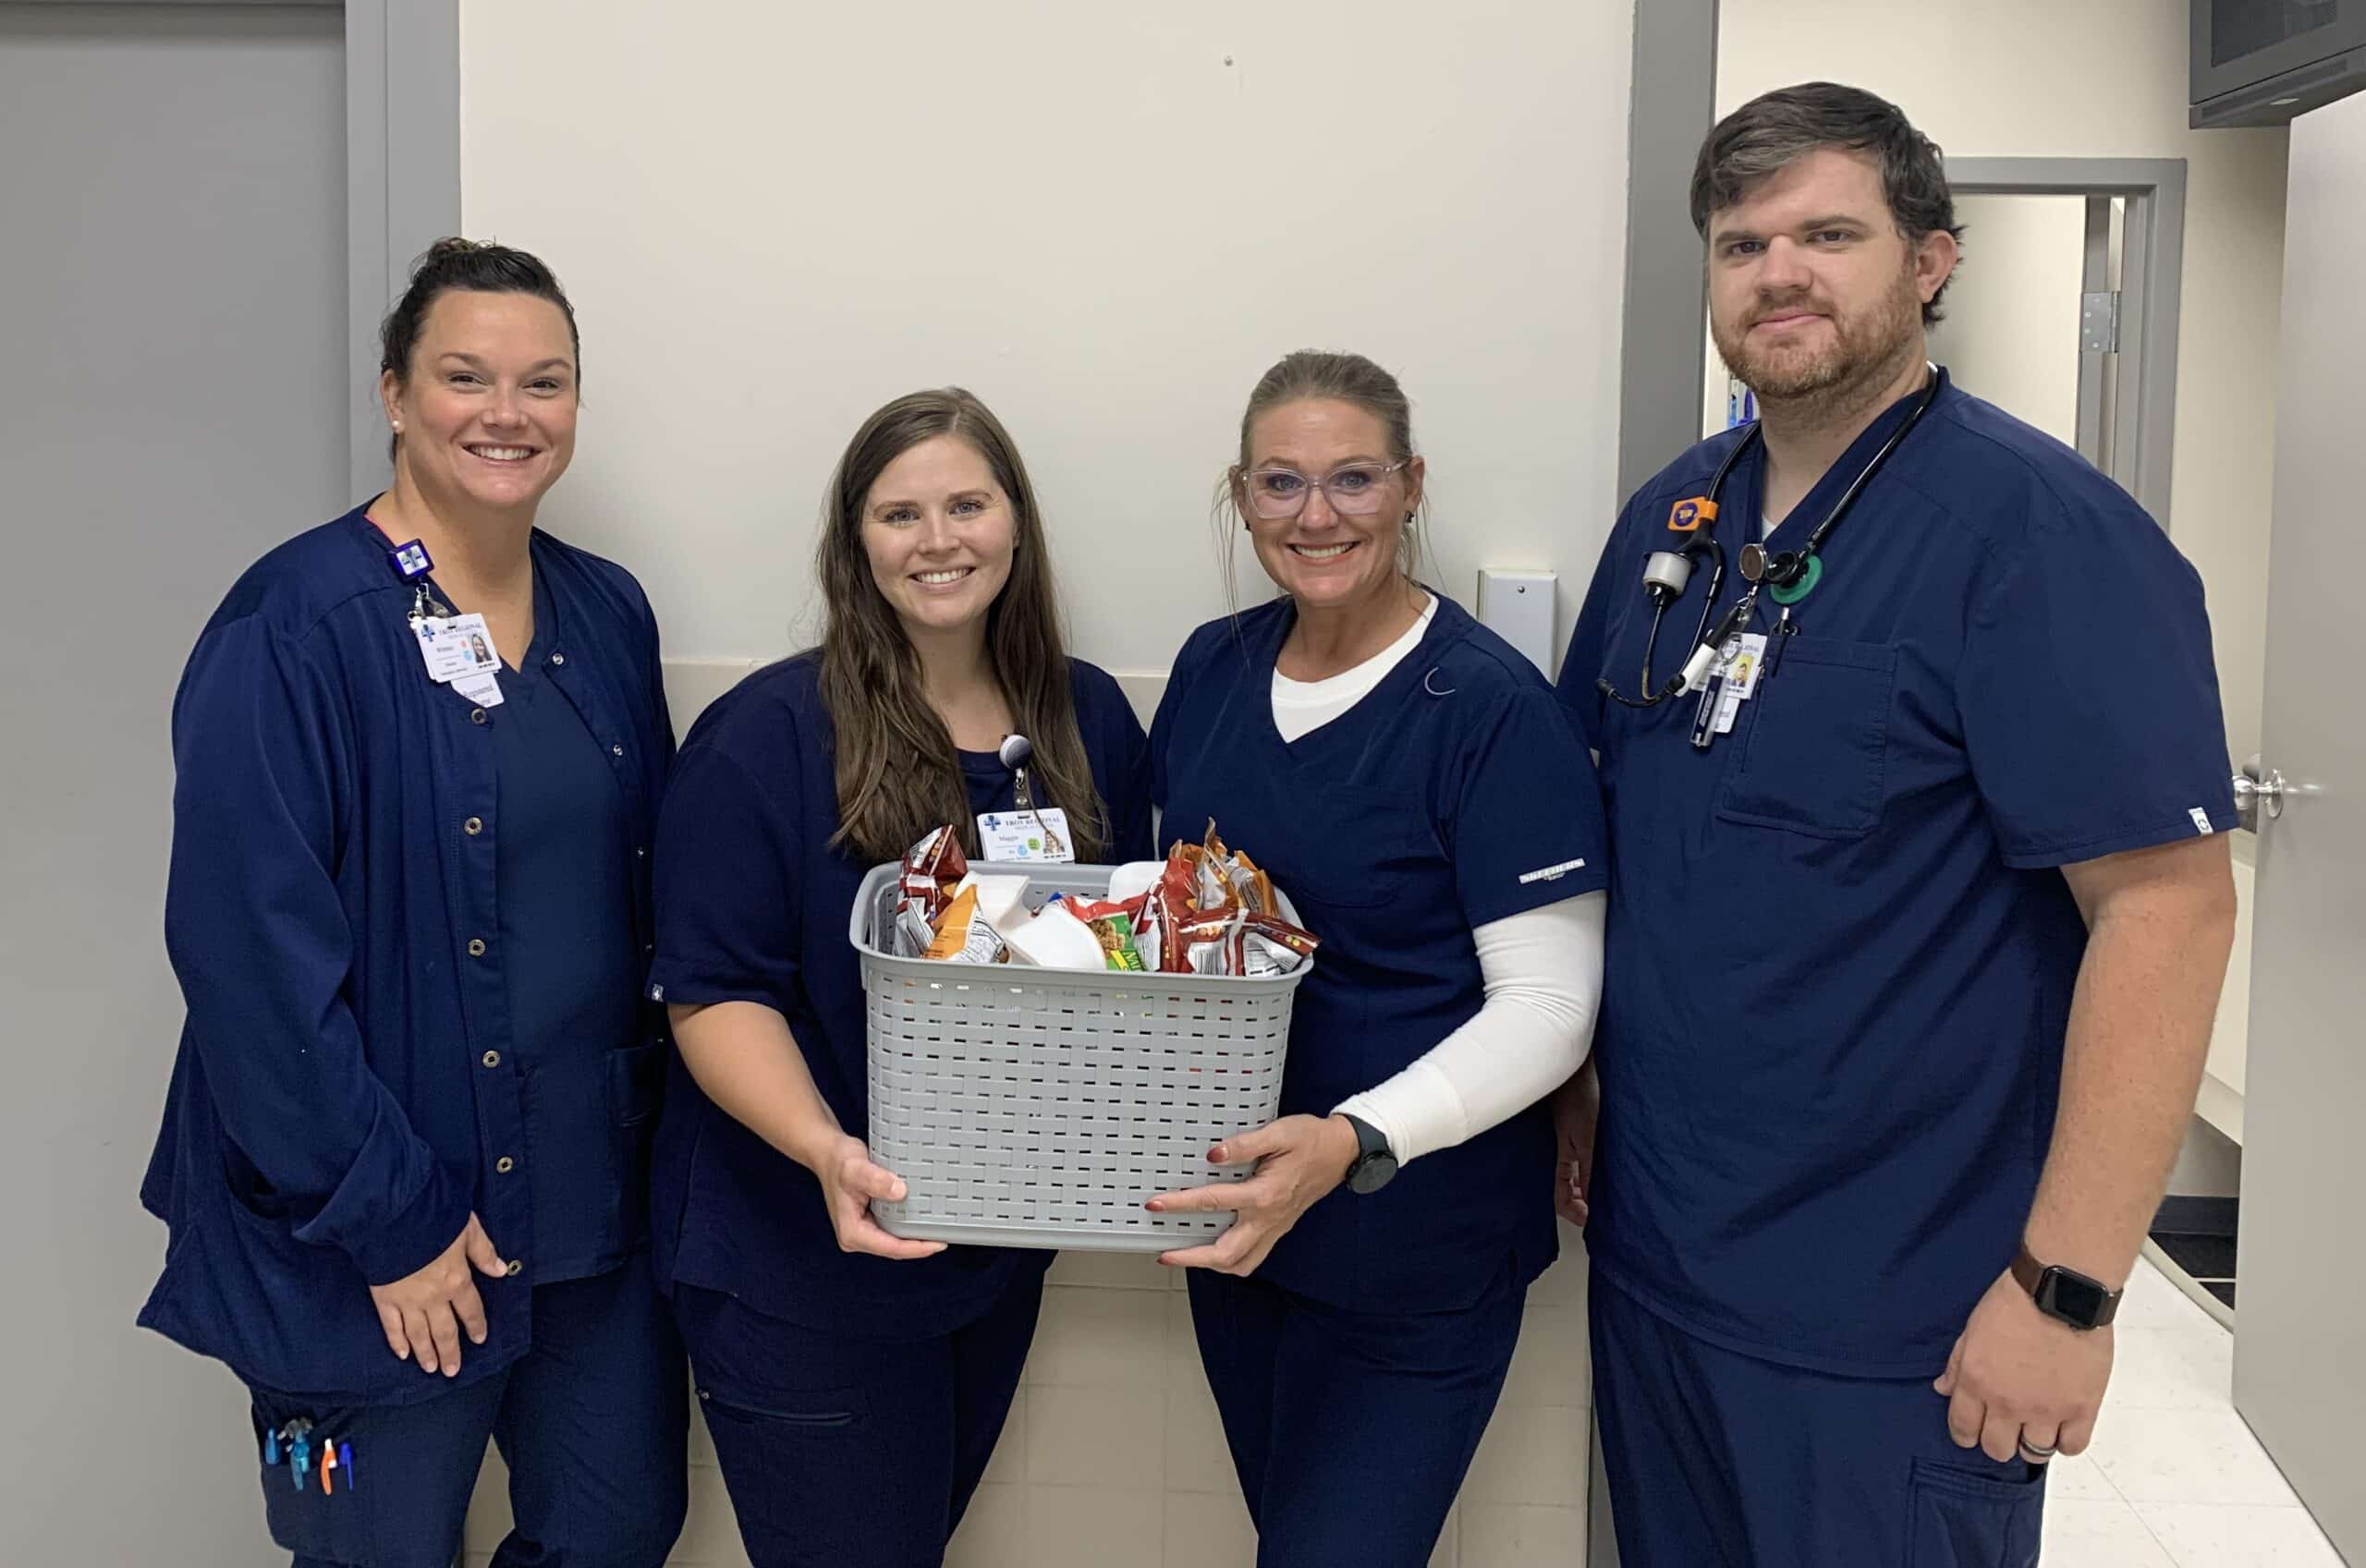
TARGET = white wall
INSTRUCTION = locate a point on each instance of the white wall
(2045, 78)
(2011, 327)
(1106, 221)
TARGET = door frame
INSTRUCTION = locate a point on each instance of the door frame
(402, 177)
(2143, 381)
(402, 149)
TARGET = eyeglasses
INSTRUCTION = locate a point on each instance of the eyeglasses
(1354, 489)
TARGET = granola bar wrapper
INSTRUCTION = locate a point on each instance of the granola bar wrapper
(1112, 925)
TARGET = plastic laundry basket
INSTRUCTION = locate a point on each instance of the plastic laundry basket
(1027, 1107)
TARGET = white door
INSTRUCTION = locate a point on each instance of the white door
(2301, 1321)
(173, 400)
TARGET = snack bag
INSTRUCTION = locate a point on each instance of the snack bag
(1269, 945)
(1204, 944)
(964, 937)
(1252, 886)
(1113, 924)
(932, 868)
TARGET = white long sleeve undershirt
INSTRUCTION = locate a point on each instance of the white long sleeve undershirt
(1542, 970)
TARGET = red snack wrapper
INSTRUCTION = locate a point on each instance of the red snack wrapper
(1266, 946)
(932, 868)
(1205, 943)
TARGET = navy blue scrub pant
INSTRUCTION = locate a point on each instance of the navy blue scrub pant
(847, 1452)
(592, 1421)
(1720, 1460)
(1350, 1431)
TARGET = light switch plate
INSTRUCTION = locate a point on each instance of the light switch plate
(1517, 607)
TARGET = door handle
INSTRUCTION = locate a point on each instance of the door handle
(2258, 789)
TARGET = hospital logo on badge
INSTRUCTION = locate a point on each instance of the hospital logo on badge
(411, 560)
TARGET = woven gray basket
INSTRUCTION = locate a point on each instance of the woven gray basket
(1027, 1107)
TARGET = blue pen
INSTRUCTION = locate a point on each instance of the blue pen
(271, 1447)
(345, 1463)
(300, 1458)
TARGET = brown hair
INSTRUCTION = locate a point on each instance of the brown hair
(897, 775)
(1771, 132)
(1315, 374)
(453, 264)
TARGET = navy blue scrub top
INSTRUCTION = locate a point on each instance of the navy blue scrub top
(352, 1071)
(565, 920)
(1453, 795)
(753, 903)
(1839, 973)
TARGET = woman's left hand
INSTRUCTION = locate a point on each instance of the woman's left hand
(1300, 1159)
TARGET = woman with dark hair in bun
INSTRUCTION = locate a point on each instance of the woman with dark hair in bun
(404, 1155)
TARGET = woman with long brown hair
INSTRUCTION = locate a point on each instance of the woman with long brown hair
(855, 1381)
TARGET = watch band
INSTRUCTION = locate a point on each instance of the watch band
(1376, 1163)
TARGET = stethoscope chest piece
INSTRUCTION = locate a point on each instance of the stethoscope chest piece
(1792, 578)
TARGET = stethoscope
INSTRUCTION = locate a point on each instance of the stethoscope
(1787, 575)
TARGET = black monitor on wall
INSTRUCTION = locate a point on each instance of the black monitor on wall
(2262, 62)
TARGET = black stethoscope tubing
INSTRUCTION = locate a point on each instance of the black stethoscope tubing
(1781, 570)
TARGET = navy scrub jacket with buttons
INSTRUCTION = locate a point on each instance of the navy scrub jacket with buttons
(1839, 971)
(753, 903)
(354, 1078)
(1454, 794)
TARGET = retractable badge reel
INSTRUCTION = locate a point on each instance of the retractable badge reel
(458, 649)
(1027, 834)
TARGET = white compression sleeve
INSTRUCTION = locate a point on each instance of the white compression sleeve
(1542, 972)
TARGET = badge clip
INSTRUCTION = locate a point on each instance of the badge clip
(1691, 515)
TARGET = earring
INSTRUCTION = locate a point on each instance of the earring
(399, 427)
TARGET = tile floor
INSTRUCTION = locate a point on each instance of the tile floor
(2175, 1479)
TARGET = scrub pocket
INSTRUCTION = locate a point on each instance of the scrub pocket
(1962, 1518)
(1815, 741)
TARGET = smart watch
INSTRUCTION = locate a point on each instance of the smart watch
(1374, 1165)
(2066, 1295)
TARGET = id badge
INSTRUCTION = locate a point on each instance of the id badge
(1026, 835)
(483, 688)
(1739, 673)
(452, 646)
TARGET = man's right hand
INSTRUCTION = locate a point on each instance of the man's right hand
(424, 1313)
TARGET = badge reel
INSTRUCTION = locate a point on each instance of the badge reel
(458, 649)
(1027, 834)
